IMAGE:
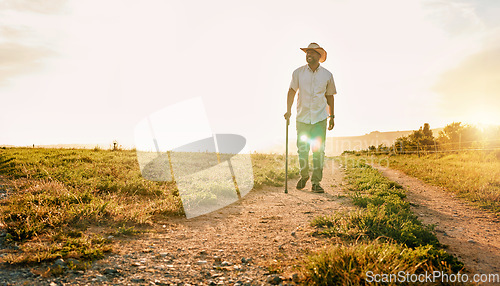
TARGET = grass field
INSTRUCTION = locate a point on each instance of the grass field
(66, 202)
(382, 236)
(473, 175)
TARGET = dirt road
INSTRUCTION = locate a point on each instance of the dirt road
(239, 244)
(473, 235)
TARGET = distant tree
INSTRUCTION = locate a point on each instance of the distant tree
(427, 130)
(422, 138)
(471, 135)
(427, 139)
(417, 135)
(452, 137)
(383, 148)
(404, 144)
(450, 133)
(491, 137)
(457, 135)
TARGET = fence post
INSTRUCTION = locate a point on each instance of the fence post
(460, 142)
(418, 148)
(435, 148)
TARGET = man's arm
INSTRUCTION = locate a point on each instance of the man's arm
(289, 103)
(330, 102)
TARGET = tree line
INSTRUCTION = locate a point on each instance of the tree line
(453, 137)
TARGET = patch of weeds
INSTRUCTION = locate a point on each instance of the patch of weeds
(74, 233)
(349, 264)
(61, 193)
(123, 230)
(269, 169)
(59, 245)
(374, 223)
(384, 236)
(473, 175)
(78, 265)
(274, 267)
(56, 270)
(384, 212)
(359, 199)
(51, 271)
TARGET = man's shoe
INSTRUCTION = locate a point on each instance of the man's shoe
(316, 188)
(302, 183)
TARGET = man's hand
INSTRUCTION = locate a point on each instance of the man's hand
(332, 123)
(287, 115)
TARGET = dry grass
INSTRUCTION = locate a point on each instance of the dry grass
(357, 263)
(383, 236)
(62, 197)
(269, 169)
(474, 175)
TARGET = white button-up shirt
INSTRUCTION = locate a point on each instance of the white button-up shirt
(312, 88)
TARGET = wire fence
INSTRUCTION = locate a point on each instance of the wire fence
(398, 147)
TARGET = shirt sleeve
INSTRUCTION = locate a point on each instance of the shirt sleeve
(294, 84)
(330, 87)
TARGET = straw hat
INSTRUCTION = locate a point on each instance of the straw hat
(317, 48)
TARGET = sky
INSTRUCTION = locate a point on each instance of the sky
(88, 72)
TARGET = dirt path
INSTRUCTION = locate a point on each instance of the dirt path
(472, 234)
(236, 245)
(242, 243)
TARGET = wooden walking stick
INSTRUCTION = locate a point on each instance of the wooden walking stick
(286, 157)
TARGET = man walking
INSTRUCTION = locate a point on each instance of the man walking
(316, 90)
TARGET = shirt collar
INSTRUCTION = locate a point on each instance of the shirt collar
(317, 69)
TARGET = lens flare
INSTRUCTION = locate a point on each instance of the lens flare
(316, 144)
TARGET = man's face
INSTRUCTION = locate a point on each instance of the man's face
(312, 57)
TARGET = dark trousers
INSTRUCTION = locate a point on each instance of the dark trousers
(311, 136)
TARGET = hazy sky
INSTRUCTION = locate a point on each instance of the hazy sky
(88, 71)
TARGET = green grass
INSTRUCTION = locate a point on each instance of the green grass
(349, 264)
(66, 201)
(384, 212)
(269, 169)
(382, 235)
(473, 175)
(63, 192)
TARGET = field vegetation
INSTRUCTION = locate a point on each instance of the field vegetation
(454, 137)
(462, 159)
(473, 175)
(382, 236)
(65, 203)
